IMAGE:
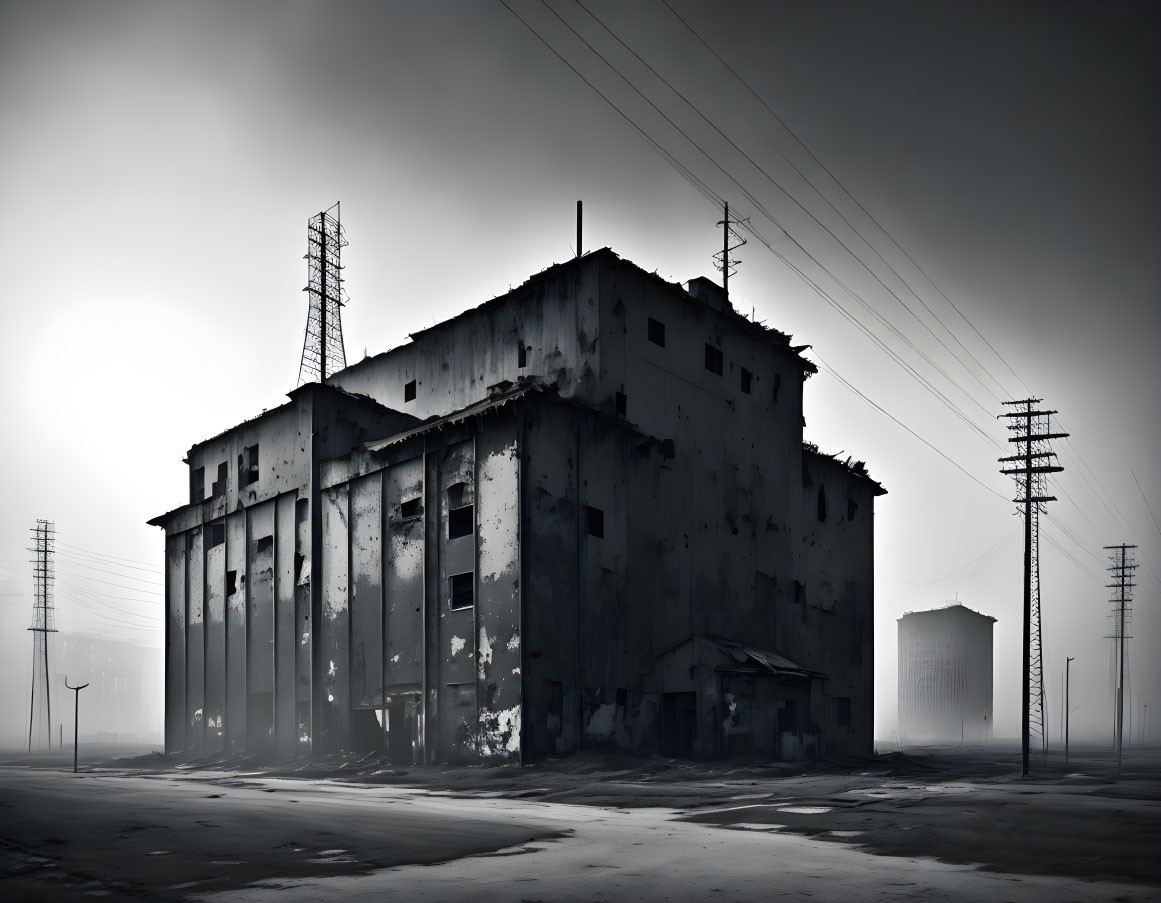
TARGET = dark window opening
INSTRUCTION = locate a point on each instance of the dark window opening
(219, 486)
(842, 711)
(302, 510)
(821, 504)
(461, 521)
(595, 521)
(656, 332)
(248, 466)
(197, 485)
(852, 507)
(622, 404)
(409, 391)
(713, 359)
(264, 545)
(455, 494)
(799, 592)
(777, 386)
(216, 534)
(410, 508)
(462, 590)
(299, 561)
(747, 379)
(522, 355)
(231, 582)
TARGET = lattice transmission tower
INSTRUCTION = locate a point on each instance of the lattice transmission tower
(1121, 566)
(1032, 432)
(43, 626)
(322, 347)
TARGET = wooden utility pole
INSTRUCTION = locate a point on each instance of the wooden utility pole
(1032, 434)
(1121, 568)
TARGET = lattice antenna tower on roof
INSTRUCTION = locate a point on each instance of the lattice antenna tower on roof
(323, 352)
(732, 240)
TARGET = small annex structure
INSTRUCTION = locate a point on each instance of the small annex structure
(581, 513)
(945, 675)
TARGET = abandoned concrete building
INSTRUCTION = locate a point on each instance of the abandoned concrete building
(945, 675)
(581, 513)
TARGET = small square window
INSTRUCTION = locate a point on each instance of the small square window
(747, 379)
(409, 391)
(656, 332)
(622, 404)
(462, 590)
(522, 355)
(595, 522)
(410, 508)
(713, 359)
(216, 534)
(302, 510)
(231, 582)
(461, 521)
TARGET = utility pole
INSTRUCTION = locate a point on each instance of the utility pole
(731, 240)
(76, 717)
(1121, 570)
(1032, 433)
(579, 212)
(1067, 687)
(44, 623)
(323, 351)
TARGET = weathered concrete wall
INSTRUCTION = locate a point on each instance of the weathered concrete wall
(833, 597)
(215, 659)
(366, 652)
(195, 702)
(332, 637)
(260, 630)
(286, 635)
(236, 629)
(555, 316)
(175, 643)
(453, 645)
(498, 639)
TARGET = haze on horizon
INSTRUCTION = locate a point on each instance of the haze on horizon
(160, 162)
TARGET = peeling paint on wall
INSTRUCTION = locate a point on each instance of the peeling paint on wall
(500, 732)
(457, 644)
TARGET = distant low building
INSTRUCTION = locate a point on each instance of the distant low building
(121, 703)
(945, 675)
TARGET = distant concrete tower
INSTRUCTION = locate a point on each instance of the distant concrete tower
(945, 675)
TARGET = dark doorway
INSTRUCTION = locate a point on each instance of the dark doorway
(678, 723)
(402, 728)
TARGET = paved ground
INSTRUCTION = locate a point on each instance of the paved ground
(942, 825)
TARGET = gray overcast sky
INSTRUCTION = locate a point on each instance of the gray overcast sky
(159, 162)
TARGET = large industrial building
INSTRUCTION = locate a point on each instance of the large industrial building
(581, 513)
(945, 675)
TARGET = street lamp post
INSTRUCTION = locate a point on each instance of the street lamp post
(76, 717)
(1067, 685)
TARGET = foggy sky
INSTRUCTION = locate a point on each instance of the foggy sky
(159, 163)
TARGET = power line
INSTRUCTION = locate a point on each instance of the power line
(103, 555)
(804, 209)
(836, 181)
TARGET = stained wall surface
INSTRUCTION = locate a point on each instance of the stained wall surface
(508, 581)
